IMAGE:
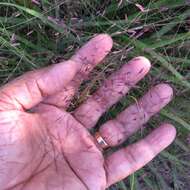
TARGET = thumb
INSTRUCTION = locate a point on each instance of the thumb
(30, 89)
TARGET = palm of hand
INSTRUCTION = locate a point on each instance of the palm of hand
(48, 148)
(53, 151)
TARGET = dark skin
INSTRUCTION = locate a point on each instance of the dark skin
(46, 148)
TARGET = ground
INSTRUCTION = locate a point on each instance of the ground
(36, 33)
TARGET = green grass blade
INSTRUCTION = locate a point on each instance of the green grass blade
(174, 159)
(132, 179)
(21, 54)
(121, 185)
(38, 15)
(143, 47)
(160, 178)
(182, 145)
(167, 40)
(175, 118)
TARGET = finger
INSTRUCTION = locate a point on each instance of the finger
(124, 162)
(30, 89)
(130, 120)
(112, 90)
(88, 56)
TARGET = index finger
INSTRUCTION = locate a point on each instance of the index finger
(91, 54)
(33, 87)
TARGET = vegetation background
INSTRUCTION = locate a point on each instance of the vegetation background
(37, 33)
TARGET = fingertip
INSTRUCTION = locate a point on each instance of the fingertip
(104, 40)
(104, 36)
(141, 60)
(145, 61)
(93, 52)
(140, 66)
(170, 131)
(161, 137)
(165, 90)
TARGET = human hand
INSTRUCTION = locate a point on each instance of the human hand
(44, 147)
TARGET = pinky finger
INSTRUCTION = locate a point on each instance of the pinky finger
(124, 162)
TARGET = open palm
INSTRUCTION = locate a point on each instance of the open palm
(44, 147)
